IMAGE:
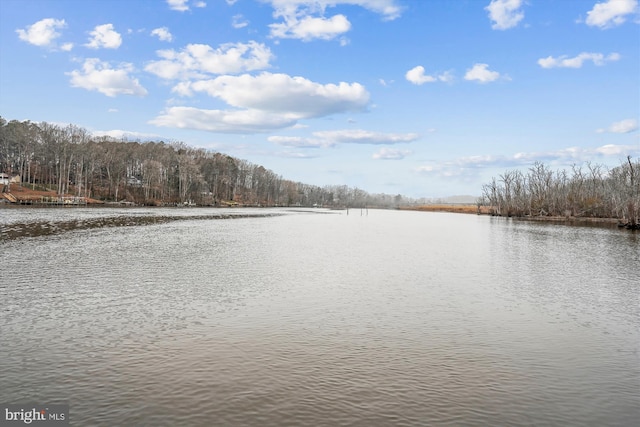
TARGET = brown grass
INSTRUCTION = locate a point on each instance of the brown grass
(467, 209)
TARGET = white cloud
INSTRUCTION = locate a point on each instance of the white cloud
(66, 47)
(305, 20)
(417, 76)
(577, 61)
(280, 93)
(347, 136)
(505, 13)
(481, 74)
(104, 36)
(125, 134)
(611, 13)
(389, 9)
(296, 155)
(239, 21)
(263, 103)
(163, 34)
(464, 166)
(200, 4)
(179, 5)
(616, 150)
(42, 33)
(310, 28)
(223, 121)
(359, 136)
(391, 154)
(299, 142)
(99, 76)
(624, 126)
(197, 60)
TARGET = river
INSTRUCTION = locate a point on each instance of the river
(285, 317)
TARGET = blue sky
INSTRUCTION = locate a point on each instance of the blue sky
(426, 98)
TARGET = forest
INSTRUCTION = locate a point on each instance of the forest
(588, 190)
(72, 161)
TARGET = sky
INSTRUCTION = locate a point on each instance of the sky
(424, 98)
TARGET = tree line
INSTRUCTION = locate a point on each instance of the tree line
(589, 190)
(70, 160)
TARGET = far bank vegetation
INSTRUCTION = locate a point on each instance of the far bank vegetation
(70, 161)
(587, 191)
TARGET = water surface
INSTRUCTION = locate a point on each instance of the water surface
(302, 318)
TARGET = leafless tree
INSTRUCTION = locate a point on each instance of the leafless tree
(598, 192)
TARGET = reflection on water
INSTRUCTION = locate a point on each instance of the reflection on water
(395, 318)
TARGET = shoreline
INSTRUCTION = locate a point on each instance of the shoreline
(18, 230)
(442, 208)
(484, 210)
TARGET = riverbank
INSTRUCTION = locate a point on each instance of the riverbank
(486, 210)
(453, 208)
(21, 195)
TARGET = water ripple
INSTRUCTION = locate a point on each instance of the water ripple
(397, 318)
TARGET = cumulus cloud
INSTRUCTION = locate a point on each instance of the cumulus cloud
(179, 5)
(611, 13)
(481, 74)
(389, 9)
(104, 36)
(223, 121)
(310, 28)
(505, 14)
(296, 96)
(263, 103)
(163, 34)
(386, 153)
(417, 76)
(100, 76)
(577, 61)
(305, 19)
(42, 33)
(198, 60)
(183, 5)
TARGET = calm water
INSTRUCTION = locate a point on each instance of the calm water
(318, 319)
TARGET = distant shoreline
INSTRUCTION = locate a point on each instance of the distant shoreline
(484, 210)
(444, 207)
